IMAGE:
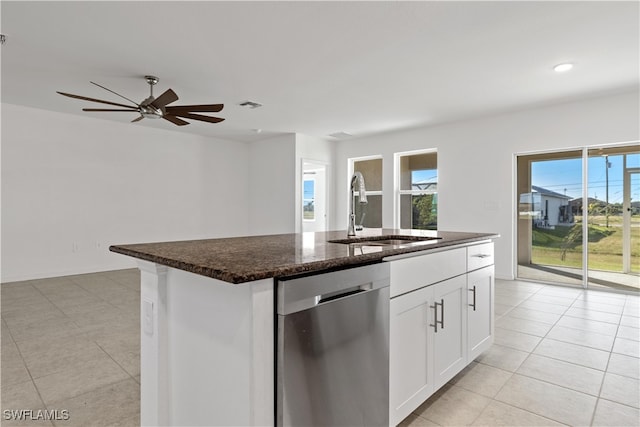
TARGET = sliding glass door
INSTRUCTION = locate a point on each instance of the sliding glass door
(631, 213)
(550, 217)
(579, 217)
(613, 226)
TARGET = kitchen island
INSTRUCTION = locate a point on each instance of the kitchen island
(207, 313)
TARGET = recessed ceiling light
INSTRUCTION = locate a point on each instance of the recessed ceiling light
(561, 68)
(340, 135)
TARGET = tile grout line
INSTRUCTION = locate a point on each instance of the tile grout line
(610, 352)
(537, 379)
(26, 367)
(99, 296)
(593, 415)
(33, 382)
(493, 399)
(48, 406)
(546, 382)
(115, 361)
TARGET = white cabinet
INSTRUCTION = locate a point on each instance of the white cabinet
(441, 318)
(427, 326)
(480, 323)
(427, 343)
(449, 338)
(410, 352)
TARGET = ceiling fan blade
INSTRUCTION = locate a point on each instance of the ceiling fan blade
(198, 117)
(106, 109)
(167, 97)
(175, 120)
(137, 119)
(115, 93)
(93, 100)
(209, 108)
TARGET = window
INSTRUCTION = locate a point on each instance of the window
(417, 194)
(309, 199)
(369, 215)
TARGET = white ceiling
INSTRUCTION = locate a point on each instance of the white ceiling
(319, 67)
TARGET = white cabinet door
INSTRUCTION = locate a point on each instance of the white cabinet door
(480, 332)
(450, 335)
(411, 344)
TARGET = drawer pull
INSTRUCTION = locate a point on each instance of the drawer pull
(474, 298)
(481, 255)
(435, 315)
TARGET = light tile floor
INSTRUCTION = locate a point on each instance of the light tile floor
(561, 356)
(72, 343)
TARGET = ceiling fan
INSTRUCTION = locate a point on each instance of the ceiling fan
(157, 108)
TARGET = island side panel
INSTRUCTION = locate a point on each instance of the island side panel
(263, 363)
(219, 353)
(154, 391)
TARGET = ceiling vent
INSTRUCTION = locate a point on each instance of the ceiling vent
(340, 135)
(250, 104)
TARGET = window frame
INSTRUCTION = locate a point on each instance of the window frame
(397, 180)
(351, 169)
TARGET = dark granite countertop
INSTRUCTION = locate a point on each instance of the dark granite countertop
(244, 259)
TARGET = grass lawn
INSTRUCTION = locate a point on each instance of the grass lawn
(563, 245)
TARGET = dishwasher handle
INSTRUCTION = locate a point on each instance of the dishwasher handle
(301, 293)
(332, 296)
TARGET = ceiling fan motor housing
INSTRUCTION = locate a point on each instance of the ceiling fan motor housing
(148, 111)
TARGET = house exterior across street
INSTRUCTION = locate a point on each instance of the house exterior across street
(547, 208)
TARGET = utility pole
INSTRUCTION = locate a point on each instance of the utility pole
(607, 165)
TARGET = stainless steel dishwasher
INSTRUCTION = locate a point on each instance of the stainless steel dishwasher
(333, 349)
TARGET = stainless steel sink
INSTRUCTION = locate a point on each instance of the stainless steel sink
(392, 240)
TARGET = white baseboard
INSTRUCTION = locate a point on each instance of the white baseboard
(124, 264)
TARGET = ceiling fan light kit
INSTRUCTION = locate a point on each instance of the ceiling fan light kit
(156, 108)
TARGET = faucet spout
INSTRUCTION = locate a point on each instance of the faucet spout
(356, 180)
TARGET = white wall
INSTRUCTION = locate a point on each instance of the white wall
(68, 180)
(476, 160)
(272, 185)
(72, 186)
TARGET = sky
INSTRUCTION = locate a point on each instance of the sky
(309, 189)
(423, 175)
(562, 176)
(565, 177)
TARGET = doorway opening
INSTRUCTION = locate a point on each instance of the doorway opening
(314, 196)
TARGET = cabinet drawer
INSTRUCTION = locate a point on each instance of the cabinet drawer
(412, 273)
(479, 256)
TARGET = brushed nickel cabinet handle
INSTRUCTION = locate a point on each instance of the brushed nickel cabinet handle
(474, 298)
(435, 315)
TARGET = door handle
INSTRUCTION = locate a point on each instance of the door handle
(474, 298)
(435, 315)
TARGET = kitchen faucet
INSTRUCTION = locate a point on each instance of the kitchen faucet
(356, 179)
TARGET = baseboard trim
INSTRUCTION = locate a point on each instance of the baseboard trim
(70, 272)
